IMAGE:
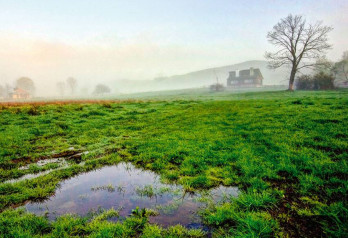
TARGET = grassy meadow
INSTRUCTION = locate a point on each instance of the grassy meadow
(286, 151)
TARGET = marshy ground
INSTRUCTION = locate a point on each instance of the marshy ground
(286, 152)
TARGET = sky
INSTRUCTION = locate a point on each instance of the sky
(104, 40)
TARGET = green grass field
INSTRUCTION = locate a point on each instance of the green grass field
(286, 151)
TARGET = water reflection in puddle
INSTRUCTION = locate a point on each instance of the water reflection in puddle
(125, 187)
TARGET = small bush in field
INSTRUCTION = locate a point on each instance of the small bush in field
(304, 82)
(33, 111)
(319, 81)
(323, 81)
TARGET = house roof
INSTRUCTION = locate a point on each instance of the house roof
(245, 74)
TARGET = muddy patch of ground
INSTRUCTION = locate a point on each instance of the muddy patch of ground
(68, 154)
(290, 221)
(59, 160)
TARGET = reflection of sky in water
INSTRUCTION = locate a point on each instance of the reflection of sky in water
(75, 195)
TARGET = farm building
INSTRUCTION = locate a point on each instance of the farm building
(19, 93)
(245, 78)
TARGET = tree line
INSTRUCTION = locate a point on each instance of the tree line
(64, 88)
(326, 75)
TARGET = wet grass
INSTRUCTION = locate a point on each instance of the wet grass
(18, 223)
(287, 152)
(147, 191)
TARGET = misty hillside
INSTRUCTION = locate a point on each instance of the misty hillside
(203, 78)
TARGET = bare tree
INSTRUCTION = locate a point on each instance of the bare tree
(298, 44)
(345, 55)
(323, 65)
(7, 90)
(26, 84)
(2, 92)
(340, 68)
(72, 83)
(61, 88)
(101, 89)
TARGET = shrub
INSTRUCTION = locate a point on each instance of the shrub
(217, 87)
(33, 111)
(304, 82)
(319, 81)
(323, 81)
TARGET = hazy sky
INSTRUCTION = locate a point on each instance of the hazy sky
(102, 40)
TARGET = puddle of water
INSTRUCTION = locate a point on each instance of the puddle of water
(125, 187)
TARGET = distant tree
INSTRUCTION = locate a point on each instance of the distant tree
(345, 55)
(101, 89)
(323, 81)
(298, 43)
(2, 91)
(323, 65)
(7, 90)
(26, 84)
(72, 83)
(61, 88)
(340, 69)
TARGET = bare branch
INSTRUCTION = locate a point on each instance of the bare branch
(295, 41)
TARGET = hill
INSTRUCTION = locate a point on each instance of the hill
(203, 78)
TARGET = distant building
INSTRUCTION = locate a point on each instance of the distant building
(19, 93)
(245, 78)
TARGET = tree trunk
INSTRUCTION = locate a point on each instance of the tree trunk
(292, 79)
